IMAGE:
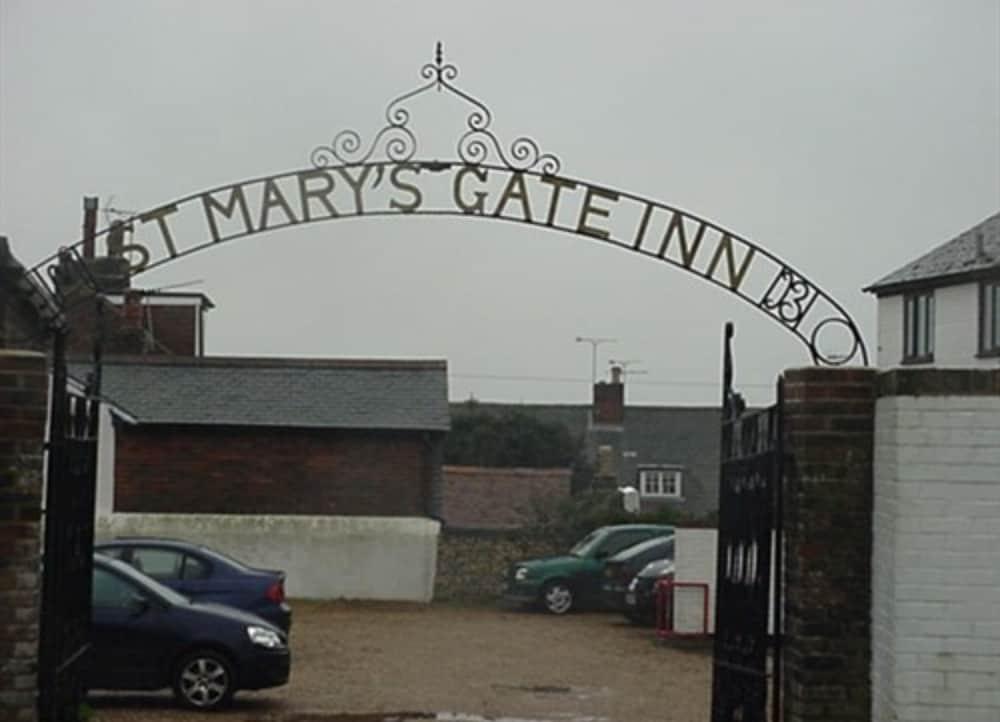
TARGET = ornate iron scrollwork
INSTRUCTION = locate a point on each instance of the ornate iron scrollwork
(789, 297)
(386, 176)
(400, 143)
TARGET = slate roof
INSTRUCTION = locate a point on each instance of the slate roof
(950, 261)
(302, 393)
(665, 434)
(658, 434)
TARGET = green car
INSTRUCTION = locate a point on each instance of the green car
(559, 584)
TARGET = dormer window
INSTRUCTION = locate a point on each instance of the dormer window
(663, 482)
(918, 327)
(989, 318)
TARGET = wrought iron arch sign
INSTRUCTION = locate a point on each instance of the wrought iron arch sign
(519, 183)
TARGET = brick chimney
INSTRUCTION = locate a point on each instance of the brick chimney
(609, 399)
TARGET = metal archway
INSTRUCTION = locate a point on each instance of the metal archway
(520, 184)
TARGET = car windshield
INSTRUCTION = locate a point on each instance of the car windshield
(148, 583)
(664, 544)
(586, 545)
(658, 568)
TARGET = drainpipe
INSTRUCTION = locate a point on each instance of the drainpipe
(434, 458)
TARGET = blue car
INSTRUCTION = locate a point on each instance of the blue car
(620, 569)
(145, 636)
(205, 575)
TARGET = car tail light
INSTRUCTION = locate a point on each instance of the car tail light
(276, 592)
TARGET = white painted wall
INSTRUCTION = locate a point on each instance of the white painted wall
(956, 329)
(890, 331)
(104, 502)
(325, 557)
(694, 561)
(936, 560)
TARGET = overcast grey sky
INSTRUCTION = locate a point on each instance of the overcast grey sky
(845, 137)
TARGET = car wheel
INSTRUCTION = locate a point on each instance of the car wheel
(557, 597)
(204, 680)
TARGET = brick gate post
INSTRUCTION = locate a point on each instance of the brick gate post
(23, 409)
(829, 436)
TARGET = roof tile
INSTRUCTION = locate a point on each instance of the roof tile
(958, 256)
(307, 393)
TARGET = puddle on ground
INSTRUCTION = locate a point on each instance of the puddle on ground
(430, 717)
(535, 688)
(540, 690)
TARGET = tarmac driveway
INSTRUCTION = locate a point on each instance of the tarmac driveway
(373, 661)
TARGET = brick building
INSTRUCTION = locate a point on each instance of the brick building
(28, 313)
(182, 432)
(229, 435)
(137, 322)
(27, 316)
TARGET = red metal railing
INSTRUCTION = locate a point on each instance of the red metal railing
(665, 608)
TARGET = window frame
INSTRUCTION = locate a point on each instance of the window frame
(988, 326)
(123, 602)
(192, 561)
(140, 550)
(662, 470)
(917, 316)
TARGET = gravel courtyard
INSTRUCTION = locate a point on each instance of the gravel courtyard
(371, 662)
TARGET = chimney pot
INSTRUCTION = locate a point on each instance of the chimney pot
(89, 225)
(609, 400)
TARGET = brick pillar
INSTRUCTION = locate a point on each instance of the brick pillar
(829, 422)
(23, 408)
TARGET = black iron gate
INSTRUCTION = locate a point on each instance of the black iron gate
(67, 558)
(751, 469)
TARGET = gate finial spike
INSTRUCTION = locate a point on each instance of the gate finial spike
(439, 60)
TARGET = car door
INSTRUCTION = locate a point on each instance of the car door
(162, 564)
(191, 574)
(128, 636)
(198, 581)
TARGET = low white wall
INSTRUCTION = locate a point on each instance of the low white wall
(936, 560)
(694, 561)
(104, 499)
(325, 557)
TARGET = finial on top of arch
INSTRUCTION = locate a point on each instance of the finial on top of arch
(396, 138)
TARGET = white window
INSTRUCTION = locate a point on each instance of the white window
(918, 327)
(989, 319)
(664, 482)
